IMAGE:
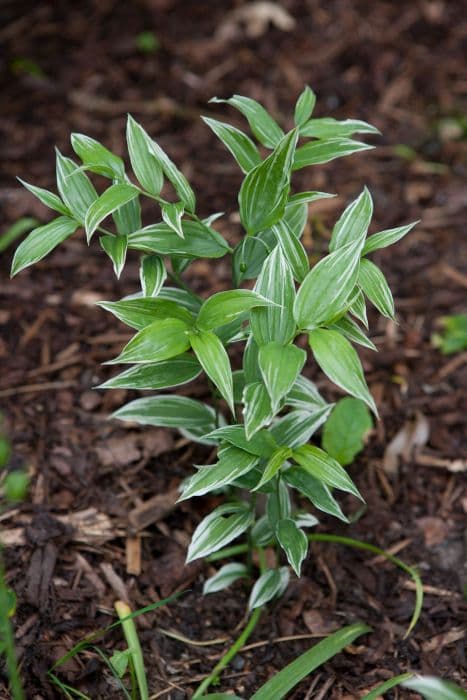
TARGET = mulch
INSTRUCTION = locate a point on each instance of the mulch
(100, 521)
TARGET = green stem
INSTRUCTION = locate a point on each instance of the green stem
(228, 552)
(131, 636)
(250, 537)
(6, 636)
(231, 653)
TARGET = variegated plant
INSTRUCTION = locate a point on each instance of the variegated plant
(271, 410)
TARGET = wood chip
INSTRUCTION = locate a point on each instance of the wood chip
(133, 555)
(156, 508)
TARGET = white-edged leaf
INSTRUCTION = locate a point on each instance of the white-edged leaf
(354, 222)
(316, 152)
(239, 144)
(269, 585)
(127, 218)
(141, 312)
(49, 199)
(144, 164)
(352, 331)
(224, 307)
(304, 106)
(325, 468)
(293, 250)
(262, 444)
(275, 462)
(264, 191)
(160, 375)
(278, 503)
(329, 128)
(307, 198)
(374, 285)
(358, 306)
(435, 689)
(386, 238)
(152, 274)
(213, 358)
(116, 248)
(232, 464)
(315, 490)
(305, 395)
(172, 213)
(275, 282)
(168, 412)
(298, 426)
(325, 291)
(257, 409)
(261, 532)
(41, 241)
(97, 157)
(267, 131)
(200, 241)
(304, 519)
(181, 297)
(227, 574)
(293, 541)
(161, 340)
(180, 184)
(340, 362)
(220, 527)
(112, 199)
(74, 186)
(296, 217)
(280, 365)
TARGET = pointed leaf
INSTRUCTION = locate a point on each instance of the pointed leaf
(239, 144)
(141, 312)
(329, 128)
(75, 188)
(262, 444)
(354, 222)
(257, 409)
(152, 274)
(352, 331)
(340, 362)
(307, 198)
(435, 688)
(116, 248)
(316, 152)
(293, 541)
(275, 282)
(224, 578)
(345, 430)
(323, 467)
(172, 214)
(270, 584)
(159, 341)
(112, 199)
(278, 504)
(266, 130)
(298, 426)
(250, 362)
(293, 250)
(144, 164)
(296, 217)
(180, 184)
(128, 217)
(232, 464)
(181, 297)
(160, 375)
(305, 396)
(224, 307)
(49, 199)
(386, 238)
(264, 190)
(200, 241)
(42, 241)
(280, 365)
(219, 528)
(277, 459)
(213, 358)
(315, 490)
(374, 285)
(96, 157)
(304, 107)
(358, 307)
(168, 412)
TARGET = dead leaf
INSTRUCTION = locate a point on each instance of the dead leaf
(119, 451)
(317, 623)
(413, 434)
(253, 20)
(439, 641)
(435, 530)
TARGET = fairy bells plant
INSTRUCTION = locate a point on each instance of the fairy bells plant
(271, 410)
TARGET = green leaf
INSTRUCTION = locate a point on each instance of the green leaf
(239, 144)
(116, 248)
(143, 162)
(304, 107)
(291, 675)
(316, 152)
(277, 459)
(323, 467)
(177, 178)
(112, 199)
(293, 541)
(267, 131)
(305, 396)
(262, 444)
(378, 692)
(141, 312)
(160, 375)
(293, 250)
(345, 430)
(49, 199)
(280, 365)
(96, 157)
(386, 238)
(168, 412)
(325, 291)
(352, 331)
(298, 426)
(248, 258)
(374, 285)
(269, 585)
(152, 274)
(75, 188)
(119, 661)
(263, 194)
(172, 214)
(278, 503)
(275, 282)
(353, 223)
(340, 362)
(257, 409)
(128, 217)
(224, 307)
(159, 341)
(227, 574)
(200, 241)
(307, 198)
(435, 688)
(296, 217)
(232, 464)
(224, 524)
(42, 241)
(314, 489)
(213, 358)
(453, 337)
(358, 307)
(329, 128)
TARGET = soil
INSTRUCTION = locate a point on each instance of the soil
(74, 544)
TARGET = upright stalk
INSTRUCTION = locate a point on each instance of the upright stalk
(6, 636)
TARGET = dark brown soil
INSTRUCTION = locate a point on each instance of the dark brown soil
(395, 64)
